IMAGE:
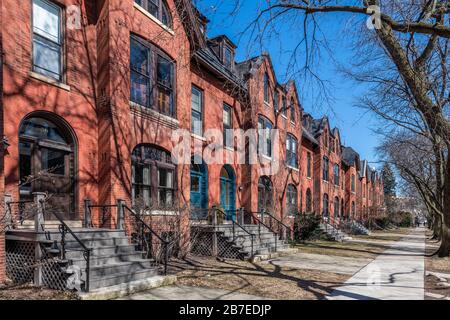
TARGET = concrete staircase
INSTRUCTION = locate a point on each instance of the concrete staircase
(358, 228)
(113, 259)
(335, 233)
(264, 242)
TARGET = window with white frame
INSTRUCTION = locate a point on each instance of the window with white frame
(227, 126)
(47, 39)
(197, 111)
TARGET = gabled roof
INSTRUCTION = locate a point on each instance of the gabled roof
(308, 136)
(350, 157)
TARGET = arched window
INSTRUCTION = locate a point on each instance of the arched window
(291, 200)
(353, 182)
(353, 209)
(158, 9)
(266, 88)
(47, 151)
(153, 177)
(336, 207)
(309, 208)
(326, 210)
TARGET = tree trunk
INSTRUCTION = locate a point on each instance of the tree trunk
(444, 250)
(436, 227)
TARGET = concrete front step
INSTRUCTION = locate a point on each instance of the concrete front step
(103, 251)
(94, 261)
(113, 279)
(98, 242)
(128, 288)
(121, 267)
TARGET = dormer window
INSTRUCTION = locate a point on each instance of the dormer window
(158, 9)
(228, 57)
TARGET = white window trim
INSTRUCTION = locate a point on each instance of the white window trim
(49, 80)
(196, 136)
(153, 18)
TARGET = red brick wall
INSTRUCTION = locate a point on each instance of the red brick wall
(2, 175)
(285, 175)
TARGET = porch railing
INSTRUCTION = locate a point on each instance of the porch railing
(274, 224)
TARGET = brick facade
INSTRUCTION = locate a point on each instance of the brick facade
(93, 102)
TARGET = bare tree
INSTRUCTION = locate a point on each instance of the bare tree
(410, 39)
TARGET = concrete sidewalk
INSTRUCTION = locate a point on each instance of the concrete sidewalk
(176, 292)
(396, 274)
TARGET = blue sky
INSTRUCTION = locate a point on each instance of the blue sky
(354, 123)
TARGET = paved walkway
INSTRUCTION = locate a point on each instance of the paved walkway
(176, 292)
(396, 274)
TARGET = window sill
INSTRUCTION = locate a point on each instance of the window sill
(265, 157)
(267, 104)
(283, 116)
(197, 137)
(154, 115)
(154, 19)
(309, 178)
(228, 148)
(294, 168)
(49, 80)
(293, 123)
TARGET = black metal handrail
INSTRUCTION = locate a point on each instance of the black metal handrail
(234, 224)
(141, 236)
(273, 218)
(64, 229)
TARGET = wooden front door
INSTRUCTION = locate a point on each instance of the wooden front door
(47, 165)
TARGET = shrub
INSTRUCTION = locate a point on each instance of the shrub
(307, 227)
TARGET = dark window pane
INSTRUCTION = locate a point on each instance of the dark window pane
(140, 89)
(164, 74)
(53, 161)
(139, 58)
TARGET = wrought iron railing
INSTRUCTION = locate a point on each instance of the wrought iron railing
(103, 219)
(64, 229)
(143, 242)
(236, 225)
(274, 224)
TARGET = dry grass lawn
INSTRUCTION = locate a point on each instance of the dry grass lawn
(435, 264)
(264, 280)
(370, 247)
(30, 292)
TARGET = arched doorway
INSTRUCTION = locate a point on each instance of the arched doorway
(326, 209)
(336, 208)
(228, 191)
(47, 156)
(265, 194)
(199, 184)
